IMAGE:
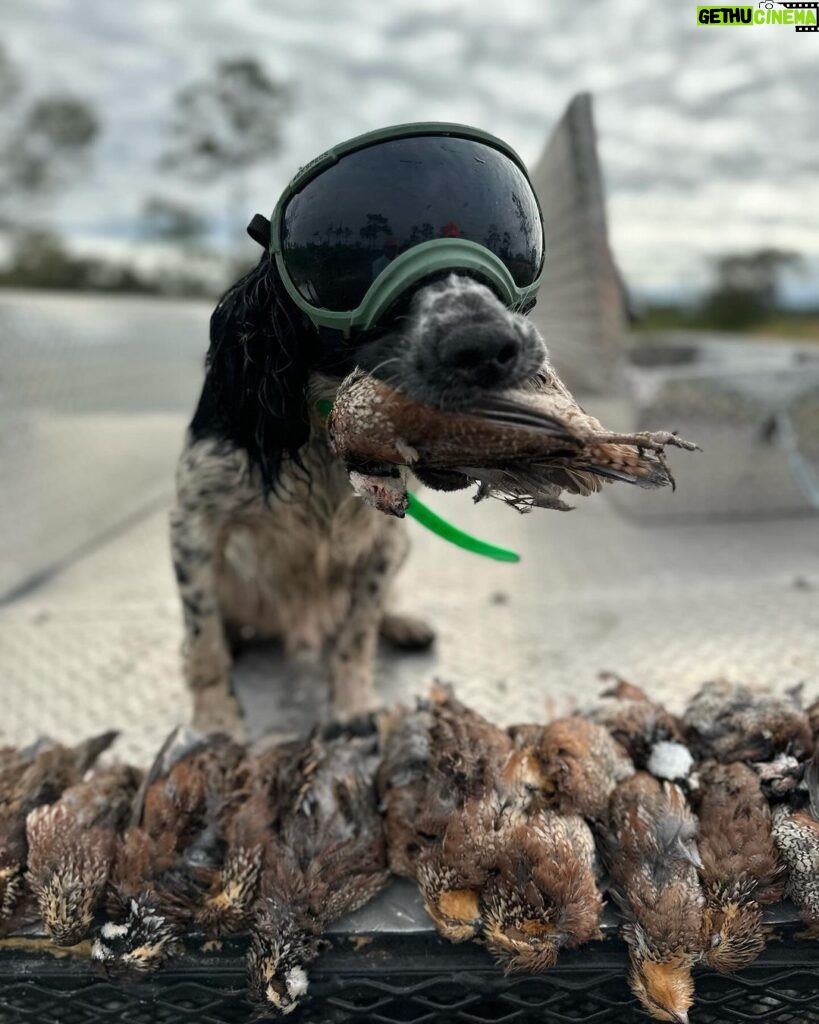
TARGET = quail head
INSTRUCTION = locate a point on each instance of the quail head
(649, 846)
(166, 860)
(733, 723)
(741, 871)
(30, 778)
(327, 859)
(796, 834)
(541, 896)
(525, 446)
(71, 846)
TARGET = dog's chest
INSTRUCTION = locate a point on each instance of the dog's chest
(312, 526)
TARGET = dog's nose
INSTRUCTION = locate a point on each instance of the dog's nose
(481, 353)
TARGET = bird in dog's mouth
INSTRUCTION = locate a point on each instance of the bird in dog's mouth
(525, 446)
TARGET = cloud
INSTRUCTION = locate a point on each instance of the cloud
(708, 136)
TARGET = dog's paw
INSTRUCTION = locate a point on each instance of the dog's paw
(215, 709)
(407, 633)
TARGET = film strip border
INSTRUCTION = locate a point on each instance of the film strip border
(814, 6)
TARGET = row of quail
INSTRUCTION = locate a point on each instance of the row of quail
(213, 840)
(691, 824)
(491, 825)
(686, 811)
(735, 754)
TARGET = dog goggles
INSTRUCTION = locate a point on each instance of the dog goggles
(368, 219)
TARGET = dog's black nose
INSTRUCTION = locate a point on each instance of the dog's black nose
(480, 353)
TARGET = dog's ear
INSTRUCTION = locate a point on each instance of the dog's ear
(256, 372)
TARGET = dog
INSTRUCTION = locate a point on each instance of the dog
(268, 539)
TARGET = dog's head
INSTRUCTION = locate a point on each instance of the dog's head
(451, 339)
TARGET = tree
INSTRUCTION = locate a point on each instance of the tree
(225, 125)
(228, 122)
(44, 142)
(746, 289)
(50, 143)
(377, 224)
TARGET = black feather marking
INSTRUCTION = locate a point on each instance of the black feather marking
(498, 409)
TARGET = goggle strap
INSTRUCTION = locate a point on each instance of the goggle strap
(259, 230)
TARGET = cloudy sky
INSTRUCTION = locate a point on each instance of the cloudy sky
(709, 136)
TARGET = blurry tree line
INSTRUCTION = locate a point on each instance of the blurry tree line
(745, 294)
(221, 127)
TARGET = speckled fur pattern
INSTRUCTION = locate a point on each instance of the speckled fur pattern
(310, 565)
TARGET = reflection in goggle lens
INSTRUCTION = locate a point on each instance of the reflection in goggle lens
(351, 221)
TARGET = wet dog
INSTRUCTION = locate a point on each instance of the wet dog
(268, 539)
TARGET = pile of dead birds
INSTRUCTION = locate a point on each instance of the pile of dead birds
(689, 825)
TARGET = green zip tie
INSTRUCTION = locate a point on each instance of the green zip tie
(424, 515)
(436, 524)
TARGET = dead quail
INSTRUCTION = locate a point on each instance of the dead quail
(541, 895)
(30, 778)
(71, 846)
(796, 833)
(650, 734)
(580, 764)
(733, 723)
(649, 847)
(526, 446)
(450, 783)
(166, 861)
(453, 865)
(328, 859)
(741, 871)
(227, 907)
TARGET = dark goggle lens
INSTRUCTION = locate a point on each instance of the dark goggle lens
(347, 224)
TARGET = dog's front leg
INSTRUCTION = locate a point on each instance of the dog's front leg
(205, 651)
(353, 650)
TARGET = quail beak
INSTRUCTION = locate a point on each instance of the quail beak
(679, 1017)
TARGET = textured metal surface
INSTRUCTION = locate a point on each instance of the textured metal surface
(388, 980)
(91, 393)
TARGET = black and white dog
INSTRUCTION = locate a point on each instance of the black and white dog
(268, 538)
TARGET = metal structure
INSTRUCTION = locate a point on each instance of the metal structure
(387, 966)
(580, 308)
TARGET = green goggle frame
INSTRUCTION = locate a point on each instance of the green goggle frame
(422, 260)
